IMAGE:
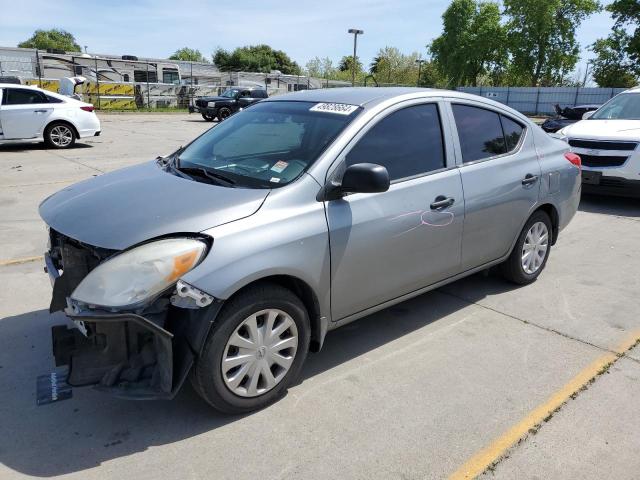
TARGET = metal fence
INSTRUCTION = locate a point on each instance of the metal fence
(541, 100)
(127, 84)
(117, 83)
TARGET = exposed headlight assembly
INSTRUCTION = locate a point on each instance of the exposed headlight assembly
(138, 274)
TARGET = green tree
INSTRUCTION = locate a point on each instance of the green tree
(393, 67)
(612, 66)
(255, 58)
(541, 38)
(188, 55)
(472, 43)
(430, 76)
(320, 67)
(626, 13)
(346, 63)
(54, 38)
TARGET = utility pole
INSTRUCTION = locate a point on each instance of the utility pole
(355, 32)
(419, 62)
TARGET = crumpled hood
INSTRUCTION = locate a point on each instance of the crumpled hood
(128, 206)
(605, 130)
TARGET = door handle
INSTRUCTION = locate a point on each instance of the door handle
(442, 202)
(529, 179)
(40, 111)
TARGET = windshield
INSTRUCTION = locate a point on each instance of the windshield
(231, 93)
(269, 144)
(623, 107)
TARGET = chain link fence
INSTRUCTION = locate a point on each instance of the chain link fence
(126, 83)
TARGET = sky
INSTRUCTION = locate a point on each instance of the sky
(303, 29)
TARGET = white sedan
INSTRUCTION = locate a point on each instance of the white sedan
(31, 114)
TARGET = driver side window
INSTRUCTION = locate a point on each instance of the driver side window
(408, 143)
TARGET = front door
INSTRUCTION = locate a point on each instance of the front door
(23, 113)
(501, 180)
(385, 245)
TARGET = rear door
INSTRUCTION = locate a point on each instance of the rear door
(24, 112)
(385, 245)
(500, 176)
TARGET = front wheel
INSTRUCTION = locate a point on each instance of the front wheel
(59, 135)
(208, 117)
(254, 351)
(531, 252)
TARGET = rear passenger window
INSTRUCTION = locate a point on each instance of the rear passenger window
(480, 133)
(512, 132)
(18, 96)
(51, 99)
(407, 142)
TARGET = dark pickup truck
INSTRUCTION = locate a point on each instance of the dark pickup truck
(228, 103)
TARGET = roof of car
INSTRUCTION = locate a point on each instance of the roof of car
(16, 85)
(353, 95)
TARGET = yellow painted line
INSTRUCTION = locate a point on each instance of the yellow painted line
(496, 449)
(18, 261)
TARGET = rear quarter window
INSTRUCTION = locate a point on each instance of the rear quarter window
(512, 132)
(480, 132)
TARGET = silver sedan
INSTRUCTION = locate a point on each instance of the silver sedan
(230, 259)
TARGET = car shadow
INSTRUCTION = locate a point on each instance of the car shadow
(18, 147)
(92, 428)
(610, 205)
(200, 120)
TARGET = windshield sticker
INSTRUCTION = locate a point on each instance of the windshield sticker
(279, 166)
(275, 180)
(339, 108)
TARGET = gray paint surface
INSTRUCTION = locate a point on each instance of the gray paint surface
(125, 207)
(353, 253)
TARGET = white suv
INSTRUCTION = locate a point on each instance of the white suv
(607, 141)
(31, 114)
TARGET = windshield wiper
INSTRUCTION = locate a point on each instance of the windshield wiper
(203, 172)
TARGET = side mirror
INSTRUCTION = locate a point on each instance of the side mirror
(587, 115)
(358, 178)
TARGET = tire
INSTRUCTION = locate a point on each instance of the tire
(224, 112)
(208, 117)
(60, 135)
(231, 389)
(522, 269)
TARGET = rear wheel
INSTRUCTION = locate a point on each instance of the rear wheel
(59, 135)
(208, 117)
(530, 254)
(255, 350)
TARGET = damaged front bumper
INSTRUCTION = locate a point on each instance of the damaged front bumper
(142, 354)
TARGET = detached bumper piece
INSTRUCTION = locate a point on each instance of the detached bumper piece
(126, 355)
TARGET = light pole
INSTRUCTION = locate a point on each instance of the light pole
(355, 32)
(419, 61)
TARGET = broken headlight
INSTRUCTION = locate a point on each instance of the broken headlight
(140, 273)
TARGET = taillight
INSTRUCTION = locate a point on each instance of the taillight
(88, 108)
(573, 158)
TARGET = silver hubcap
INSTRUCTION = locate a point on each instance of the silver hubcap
(259, 353)
(534, 250)
(61, 136)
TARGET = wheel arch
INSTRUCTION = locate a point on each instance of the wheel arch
(552, 211)
(65, 121)
(306, 295)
